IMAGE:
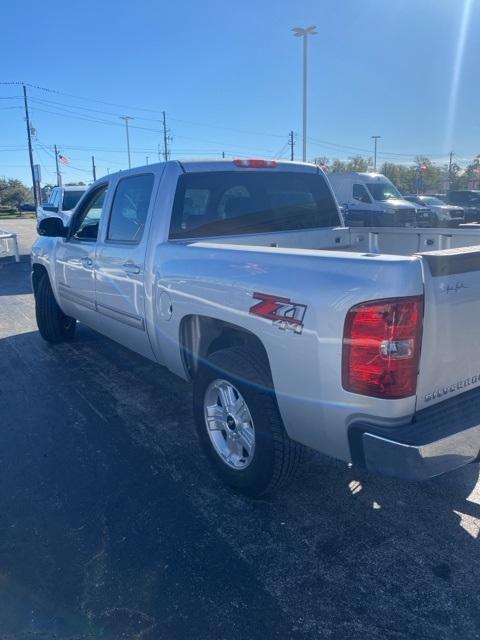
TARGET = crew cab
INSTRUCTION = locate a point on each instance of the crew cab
(295, 330)
(61, 202)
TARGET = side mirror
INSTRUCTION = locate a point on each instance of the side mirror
(52, 228)
(50, 207)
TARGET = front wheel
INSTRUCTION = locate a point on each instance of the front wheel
(53, 324)
(239, 424)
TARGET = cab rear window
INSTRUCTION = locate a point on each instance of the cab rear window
(232, 202)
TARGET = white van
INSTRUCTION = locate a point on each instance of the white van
(371, 200)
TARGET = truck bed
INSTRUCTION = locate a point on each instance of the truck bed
(386, 240)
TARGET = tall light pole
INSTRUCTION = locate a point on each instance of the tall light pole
(375, 152)
(300, 32)
(127, 118)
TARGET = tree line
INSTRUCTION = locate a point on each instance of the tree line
(421, 176)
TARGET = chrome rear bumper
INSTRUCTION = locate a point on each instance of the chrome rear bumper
(412, 462)
(439, 439)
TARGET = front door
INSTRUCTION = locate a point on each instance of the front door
(120, 264)
(75, 260)
(360, 207)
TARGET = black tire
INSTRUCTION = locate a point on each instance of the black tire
(276, 457)
(53, 324)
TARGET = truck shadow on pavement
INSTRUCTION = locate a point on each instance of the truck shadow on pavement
(111, 524)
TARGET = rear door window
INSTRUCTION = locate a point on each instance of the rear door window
(232, 202)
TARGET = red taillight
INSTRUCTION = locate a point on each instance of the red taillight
(256, 164)
(381, 347)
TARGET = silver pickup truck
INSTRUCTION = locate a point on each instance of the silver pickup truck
(296, 331)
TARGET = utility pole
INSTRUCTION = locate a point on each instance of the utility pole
(127, 118)
(59, 175)
(166, 138)
(30, 152)
(223, 154)
(146, 160)
(291, 142)
(299, 32)
(375, 138)
(94, 169)
(450, 162)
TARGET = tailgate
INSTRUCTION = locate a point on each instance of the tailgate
(450, 359)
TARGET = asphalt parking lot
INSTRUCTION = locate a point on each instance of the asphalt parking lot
(112, 526)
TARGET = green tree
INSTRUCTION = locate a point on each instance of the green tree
(359, 163)
(355, 163)
(402, 176)
(338, 166)
(13, 192)
(471, 175)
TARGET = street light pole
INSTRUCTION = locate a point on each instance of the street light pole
(300, 32)
(127, 118)
(375, 152)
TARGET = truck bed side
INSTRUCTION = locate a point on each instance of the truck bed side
(225, 282)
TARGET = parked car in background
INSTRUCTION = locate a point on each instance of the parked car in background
(469, 200)
(27, 207)
(61, 202)
(441, 214)
(371, 200)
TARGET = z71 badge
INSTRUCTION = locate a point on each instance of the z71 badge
(284, 313)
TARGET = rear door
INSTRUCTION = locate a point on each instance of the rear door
(450, 360)
(120, 263)
(75, 259)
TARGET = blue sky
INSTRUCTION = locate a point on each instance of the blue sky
(228, 75)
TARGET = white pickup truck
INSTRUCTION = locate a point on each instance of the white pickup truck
(296, 331)
(61, 202)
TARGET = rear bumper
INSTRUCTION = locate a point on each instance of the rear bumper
(438, 439)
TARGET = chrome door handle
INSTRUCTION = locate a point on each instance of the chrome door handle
(87, 262)
(131, 268)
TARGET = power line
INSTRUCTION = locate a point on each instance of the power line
(65, 110)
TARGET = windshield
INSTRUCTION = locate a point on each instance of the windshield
(383, 191)
(433, 201)
(70, 199)
(234, 202)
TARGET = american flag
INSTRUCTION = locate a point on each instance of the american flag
(63, 159)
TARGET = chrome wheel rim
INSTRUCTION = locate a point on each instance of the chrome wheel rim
(229, 424)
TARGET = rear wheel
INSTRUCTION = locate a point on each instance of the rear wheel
(239, 424)
(53, 324)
